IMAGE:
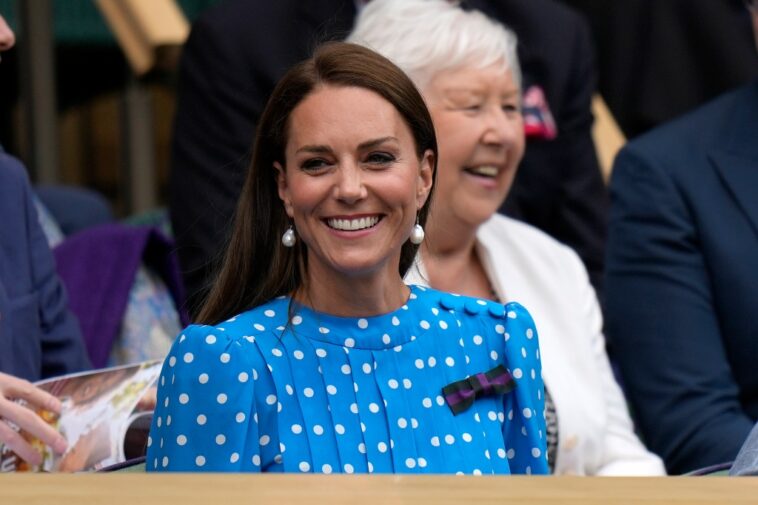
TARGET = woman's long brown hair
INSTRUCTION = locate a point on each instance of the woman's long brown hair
(256, 266)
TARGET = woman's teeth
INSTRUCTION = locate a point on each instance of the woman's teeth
(353, 224)
(485, 171)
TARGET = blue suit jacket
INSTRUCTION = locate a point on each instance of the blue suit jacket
(39, 337)
(682, 280)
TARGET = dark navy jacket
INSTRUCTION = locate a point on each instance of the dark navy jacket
(682, 280)
(39, 337)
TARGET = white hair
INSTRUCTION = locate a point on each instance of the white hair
(425, 37)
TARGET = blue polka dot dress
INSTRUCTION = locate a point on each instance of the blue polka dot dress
(320, 393)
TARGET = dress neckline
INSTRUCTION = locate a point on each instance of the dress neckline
(383, 331)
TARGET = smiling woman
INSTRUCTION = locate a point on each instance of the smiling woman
(315, 355)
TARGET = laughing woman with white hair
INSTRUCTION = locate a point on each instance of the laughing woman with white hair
(466, 67)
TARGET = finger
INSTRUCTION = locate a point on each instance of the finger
(15, 442)
(33, 424)
(16, 388)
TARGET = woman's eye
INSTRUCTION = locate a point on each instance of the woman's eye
(511, 108)
(313, 164)
(380, 158)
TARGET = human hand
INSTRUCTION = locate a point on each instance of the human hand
(11, 389)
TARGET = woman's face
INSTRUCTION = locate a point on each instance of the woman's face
(352, 181)
(480, 132)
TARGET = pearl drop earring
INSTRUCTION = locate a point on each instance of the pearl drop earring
(417, 233)
(289, 238)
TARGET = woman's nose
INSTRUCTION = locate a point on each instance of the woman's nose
(503, 126)
(350, 187)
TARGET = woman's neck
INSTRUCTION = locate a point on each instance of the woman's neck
(458, 270)
(353, 296)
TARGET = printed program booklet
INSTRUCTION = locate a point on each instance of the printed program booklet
(100, 419)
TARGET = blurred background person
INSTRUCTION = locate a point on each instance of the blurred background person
(467, 69)
(683, 279)
(238, 49)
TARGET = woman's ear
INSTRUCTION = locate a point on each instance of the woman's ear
(425, 178)
(283, 188)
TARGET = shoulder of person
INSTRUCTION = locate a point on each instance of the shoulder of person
(515, 238)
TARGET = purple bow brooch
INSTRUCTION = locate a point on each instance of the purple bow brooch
(460, 395)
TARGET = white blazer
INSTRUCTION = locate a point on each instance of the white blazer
(595, 433)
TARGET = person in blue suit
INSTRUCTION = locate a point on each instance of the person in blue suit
(682, 279)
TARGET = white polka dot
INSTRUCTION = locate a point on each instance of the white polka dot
(407, 384)
(202, 379)
(507, 337)
(366, 368)
(200, 461)
(476, 471)
(264, 440)
(269, 313)
(382, 447)
(432, 362)
(326, 468)
(181, 440)
(172, 361)
(426, 402)
(240, 417)
(289, 389)
(424, 324)
(362, 448)
(523, 352)
(443, 325)
(331, 389)
(449, 439)
(499, 328)
(435, 441)
(321, 353)
(339, 429)
(224, 358)
(395, 321)
(362, 324)
(397, 348)
(296, 429)
(402, 423)
(297, 320)
(517, 373)
(349, 342)
(220, 439)
(308, 392)
(276, 352)
(511, 314)
(298, 354)
(259, 327)
(386, 339)
(345, 369)
(510, 414)
(501, 417)
(527, 413)
(440, 400)
(242, 377)
(534, 375)
(323, 330)
(392, 383)
(183, 398)
(422, 462)
(511, 453)
(168, 420)
(449, 361)
(149, 441)
(255, 374)
(271, 399)
(536, 452)
(478, 339)
(188, 357)
(373, 407)
(348, 468)
(414, 423)
(529, 333)
(256, 460)
(493, 355)
(410, 463)
(234, 457)
(466, 437)
(354, 408)
(487, 453)
(278, 458)
(318, 429)
(304, 466)
(221, 398)
(419, 364)
(201, 419)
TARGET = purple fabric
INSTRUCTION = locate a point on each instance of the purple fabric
(98, 266)
(461, 394)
